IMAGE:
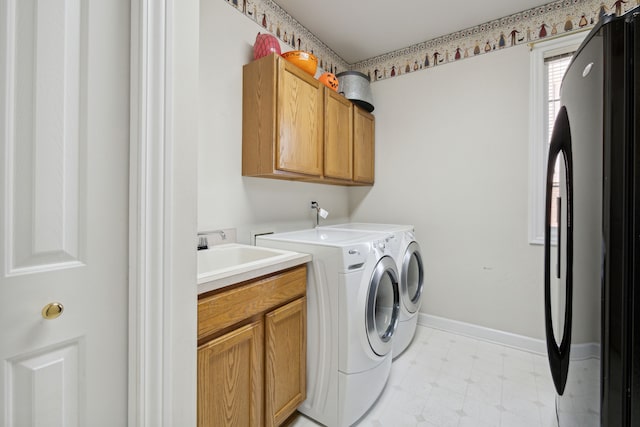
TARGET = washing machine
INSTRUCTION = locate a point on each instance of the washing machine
(406, 252)
(353, 309)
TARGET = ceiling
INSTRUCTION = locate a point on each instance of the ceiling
(361, 29)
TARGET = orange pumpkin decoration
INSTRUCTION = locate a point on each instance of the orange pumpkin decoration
(329, 80)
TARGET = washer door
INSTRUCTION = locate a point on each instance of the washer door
(383, 306)
(412, 278)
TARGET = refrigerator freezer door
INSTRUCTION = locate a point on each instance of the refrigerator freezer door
(578, 401)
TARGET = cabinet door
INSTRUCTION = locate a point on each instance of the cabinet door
(299, 121)
(363, 146)
(338, 136)
(230, 378)
(286, 358)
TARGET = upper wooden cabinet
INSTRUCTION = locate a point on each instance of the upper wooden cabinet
(293, 127)
(363, 146)
(338, 136)
(282, 120)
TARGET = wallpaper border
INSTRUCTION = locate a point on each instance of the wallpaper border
(278, 22)
(527, 27)
(554, 19)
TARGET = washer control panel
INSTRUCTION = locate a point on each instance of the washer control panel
(354, 256)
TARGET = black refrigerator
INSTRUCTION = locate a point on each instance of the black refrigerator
(592, 232)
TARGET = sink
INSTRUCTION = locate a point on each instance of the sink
(231, 255)
(223, 265)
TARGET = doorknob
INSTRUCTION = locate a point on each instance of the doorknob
(52, 310)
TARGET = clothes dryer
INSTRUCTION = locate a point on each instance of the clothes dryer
(406, 252)
(353, 308)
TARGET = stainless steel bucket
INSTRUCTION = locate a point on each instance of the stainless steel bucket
(355, 87)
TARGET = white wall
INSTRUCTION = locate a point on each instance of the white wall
(452, 159)
(225, 197)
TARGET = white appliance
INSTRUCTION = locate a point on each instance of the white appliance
(353, 307)
(406, 252)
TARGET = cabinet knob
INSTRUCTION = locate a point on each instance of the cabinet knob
(52, 310)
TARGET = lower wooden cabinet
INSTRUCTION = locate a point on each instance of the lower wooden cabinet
(286, 358)
(230, 371)
(253, 372)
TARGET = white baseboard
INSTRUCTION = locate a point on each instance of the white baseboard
(519, 342)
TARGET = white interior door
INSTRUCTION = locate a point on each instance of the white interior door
(64, 128)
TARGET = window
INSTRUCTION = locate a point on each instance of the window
(549, 60)
(554, 69)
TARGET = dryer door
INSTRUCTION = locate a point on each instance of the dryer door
(412, 278)
(383, 306)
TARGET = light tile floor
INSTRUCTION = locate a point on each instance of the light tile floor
(449, 380)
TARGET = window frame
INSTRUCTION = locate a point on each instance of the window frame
(538, 128)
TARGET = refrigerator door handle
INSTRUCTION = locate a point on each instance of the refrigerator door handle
(559, 354)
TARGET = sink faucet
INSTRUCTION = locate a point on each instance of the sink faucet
(203, 241)
(319, 212)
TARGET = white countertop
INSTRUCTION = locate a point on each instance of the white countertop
(232, 263)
